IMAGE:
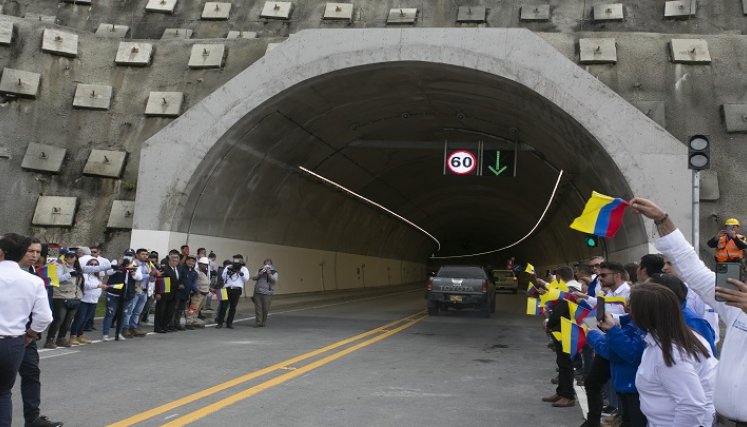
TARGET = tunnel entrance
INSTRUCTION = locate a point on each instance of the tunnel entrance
(372, 113)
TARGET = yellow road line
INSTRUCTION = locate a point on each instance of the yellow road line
(138, 418)
(207, 410)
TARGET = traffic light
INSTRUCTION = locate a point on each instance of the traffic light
(698, 153)
(592, 241)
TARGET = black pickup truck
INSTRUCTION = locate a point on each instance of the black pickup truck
(460, 286)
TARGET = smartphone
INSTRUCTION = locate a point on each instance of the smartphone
(727, 270)
(600, 309)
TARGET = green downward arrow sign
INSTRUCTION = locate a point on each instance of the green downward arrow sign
(497, 170)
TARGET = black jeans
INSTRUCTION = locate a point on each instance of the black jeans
(594, 382)
(63, 319)
(233, 301)
(631, 410)
(11, 356)
(165, 307)
(565, 372)
(30, 384)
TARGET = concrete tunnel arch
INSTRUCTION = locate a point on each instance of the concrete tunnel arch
(370, 109)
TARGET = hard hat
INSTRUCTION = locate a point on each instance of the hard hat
(732, 221)
(203, 260)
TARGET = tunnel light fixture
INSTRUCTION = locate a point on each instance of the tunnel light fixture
(539, 221)
(372, 203)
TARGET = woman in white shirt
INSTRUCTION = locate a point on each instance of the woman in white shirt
(677, 371)
(92, 287)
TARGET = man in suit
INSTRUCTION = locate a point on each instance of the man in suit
(165, 296)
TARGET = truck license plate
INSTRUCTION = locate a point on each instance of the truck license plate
(455, 298)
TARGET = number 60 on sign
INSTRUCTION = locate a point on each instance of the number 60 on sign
(461, 162)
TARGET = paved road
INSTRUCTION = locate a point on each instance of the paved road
(382, 363)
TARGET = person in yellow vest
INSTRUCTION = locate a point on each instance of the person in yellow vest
(729, 244)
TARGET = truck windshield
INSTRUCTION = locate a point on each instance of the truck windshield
(462, 272)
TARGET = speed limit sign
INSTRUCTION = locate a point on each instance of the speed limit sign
(461, 162)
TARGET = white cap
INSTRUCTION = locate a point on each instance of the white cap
(204, 260)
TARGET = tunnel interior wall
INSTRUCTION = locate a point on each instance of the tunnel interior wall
(300, 269)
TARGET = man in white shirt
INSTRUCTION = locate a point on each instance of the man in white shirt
(731, 376)
(21, 295)
(235, 277)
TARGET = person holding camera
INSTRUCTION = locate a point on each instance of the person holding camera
(729, 244)
(266, 278)
(234, 277)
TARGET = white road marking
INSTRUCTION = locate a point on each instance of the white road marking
(171, 416)
(581, 399)
(48, 356)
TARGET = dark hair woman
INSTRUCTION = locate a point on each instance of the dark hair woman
(676, 375)
(65, 299)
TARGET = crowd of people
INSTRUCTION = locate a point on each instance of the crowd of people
(59, 295)
(651, 347)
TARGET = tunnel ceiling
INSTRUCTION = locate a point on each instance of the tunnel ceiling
(379, 130)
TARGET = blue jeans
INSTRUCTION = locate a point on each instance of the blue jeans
(11, 356)
(112, 304)
(137, 310)
(85, 312)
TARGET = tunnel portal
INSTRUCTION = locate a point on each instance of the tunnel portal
(373, 113)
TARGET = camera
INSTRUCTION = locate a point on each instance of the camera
(236, 264)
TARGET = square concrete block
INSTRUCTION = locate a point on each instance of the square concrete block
(60, 42)
(679, 9)
(176, 33)
(690, 51)
(609, 12)
(121, 214)
(207, 56)
(241, 35)
(744, 7)
(50, 19)
(709, 190)
(735, 116)
(112, 31)
(7, 33)
(277, 10)
(338, 11)
(81, 2)
(105, 163)
(598, 51)
(19, 83)
(216, 10)
(655, 110)
(164, 104)
(401, 15)
(97, 97)
(43, 158)
(134, 53)
(535, 13)
(55, 211)
(474, 14)
(160, 6)
(271, 46)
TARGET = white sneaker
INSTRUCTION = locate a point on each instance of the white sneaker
(121, 337)
(106, 338)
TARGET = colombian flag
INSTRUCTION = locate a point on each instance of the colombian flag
(573, 337)
(221, 294)
(48, 273)
(163, 285)
(117, 286)
(534, 308)
(554, 294)
(529, 269)
(615, 300)
(602, 215)
(578, 313)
